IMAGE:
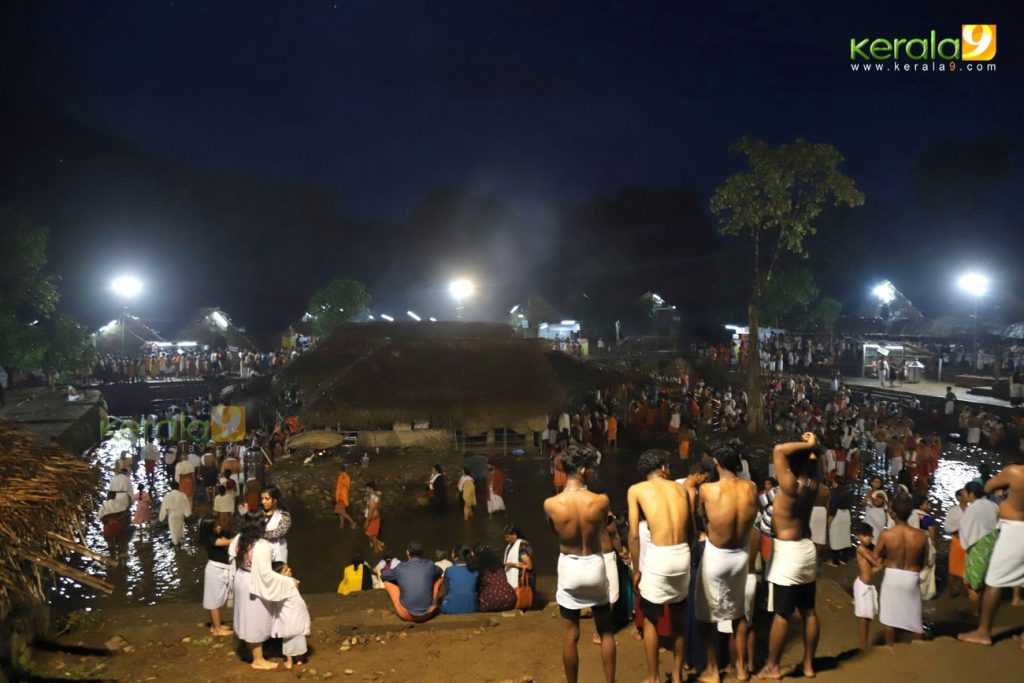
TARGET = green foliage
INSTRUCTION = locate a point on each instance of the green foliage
(780, 195)
(790, 291)
(336, 303)
(826, 313)
(32, 335)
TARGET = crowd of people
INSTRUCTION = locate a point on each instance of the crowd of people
(188, 363)
(738, 549)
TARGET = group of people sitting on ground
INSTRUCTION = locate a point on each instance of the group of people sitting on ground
(463, 580)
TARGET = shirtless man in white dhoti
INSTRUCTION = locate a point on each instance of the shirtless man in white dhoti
(793, 568)
(728, 507)
(903, 549)
(174, 508)
(665, 579)
(579, 519)
(1006, 568)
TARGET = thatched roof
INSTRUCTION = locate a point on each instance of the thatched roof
(45, 502)
(451, 373)
(942, 327)
(107, 339)
(213, 327)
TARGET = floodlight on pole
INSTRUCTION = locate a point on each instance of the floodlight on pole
(126, 287)
(885, 291)
(976, 285)
(460, 289)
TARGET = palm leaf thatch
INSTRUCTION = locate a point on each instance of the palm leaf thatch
(453, 374)
(137, 334)
(45, 500)
(212, 327)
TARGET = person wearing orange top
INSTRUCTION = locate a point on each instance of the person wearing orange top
(612, 424)
(342, 488)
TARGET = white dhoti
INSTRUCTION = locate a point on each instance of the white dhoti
(879, 521)
(927, 574)
(582, 581)
(793, 563)
(900, 601)
(666, 575)
(880, 449)
(611, 570)
(721, 582)
(749, 591)
(865, 599)
(279, 551)
(819, 525)
(1006, 568)
(839, 531)
(253, 616)
(217, 580)
(973, 435)
(176, 525)
(495, 503)
(291, 624)
(895, 467)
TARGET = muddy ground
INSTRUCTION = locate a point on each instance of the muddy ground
(357, 638)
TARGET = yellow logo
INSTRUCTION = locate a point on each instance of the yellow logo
(227, 423)
(978, 42)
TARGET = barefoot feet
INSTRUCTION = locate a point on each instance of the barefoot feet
(975, 637)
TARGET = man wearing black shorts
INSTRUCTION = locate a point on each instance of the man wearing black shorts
(793, 567)
(579, 519)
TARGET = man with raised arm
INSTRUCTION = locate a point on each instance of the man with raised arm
(665, 579)
(728, 507)
(1006, 568)
(579, 519)
(793, 568)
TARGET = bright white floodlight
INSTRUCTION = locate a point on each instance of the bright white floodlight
(885, 292)
(461, 289)
(126, 286)
(974, 284)
(413, 316)
(385, 316)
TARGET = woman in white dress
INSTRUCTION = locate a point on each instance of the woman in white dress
(258, 589)
(278, 521)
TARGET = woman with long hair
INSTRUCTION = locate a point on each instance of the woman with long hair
(278, 521)
(258, 588)
(460, 583)
(496, 595)
(436, 491)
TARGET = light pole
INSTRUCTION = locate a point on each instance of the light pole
(460, 289)
(976, 285)
(126, 287)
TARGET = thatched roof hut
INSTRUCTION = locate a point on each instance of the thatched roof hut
(137, 335)
(212, 327)
(455, 374)
(45, 501)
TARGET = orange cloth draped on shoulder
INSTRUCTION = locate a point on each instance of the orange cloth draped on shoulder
(341, 492)
(498, 483)
(372, 527)
(560, 479)
(957, 557)
(187, 484)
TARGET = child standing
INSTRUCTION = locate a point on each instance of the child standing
(865, 595)
(291, 623)
(143, 516)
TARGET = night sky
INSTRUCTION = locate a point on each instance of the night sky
(242, 154)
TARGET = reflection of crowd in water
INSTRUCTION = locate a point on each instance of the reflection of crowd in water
(189, 364)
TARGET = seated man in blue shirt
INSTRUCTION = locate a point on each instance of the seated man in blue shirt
(413, 585)
(460, 583)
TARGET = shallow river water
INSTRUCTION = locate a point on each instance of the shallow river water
(151, 570)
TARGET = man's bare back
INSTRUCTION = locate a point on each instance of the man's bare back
(666, 507)
(1012, 479)
(903, 547)
(729, 507)
(579, 519)
(797, 496)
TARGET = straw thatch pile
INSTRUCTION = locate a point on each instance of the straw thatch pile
(454, 374)
(45, 500)
(204, 329)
